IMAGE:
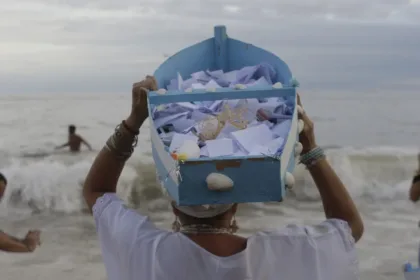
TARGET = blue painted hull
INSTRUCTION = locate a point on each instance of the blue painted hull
(256, 178)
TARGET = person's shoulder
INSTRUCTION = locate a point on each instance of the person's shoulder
(323, 230)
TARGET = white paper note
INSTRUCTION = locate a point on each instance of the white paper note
(253, 136)
(281, 129)
(159, 122)
(269, 149)
(179, 139)
(220, 147)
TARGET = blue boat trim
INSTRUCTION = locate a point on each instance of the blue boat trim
(168, 182)
(226, 93)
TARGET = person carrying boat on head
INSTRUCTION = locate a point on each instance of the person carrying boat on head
(9, 243)
(414, 193)
(202, 244)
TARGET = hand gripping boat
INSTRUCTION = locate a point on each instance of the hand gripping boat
(225, 179)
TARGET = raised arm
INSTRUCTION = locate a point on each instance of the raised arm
(106, 169)
(12, 244)
(336, 200)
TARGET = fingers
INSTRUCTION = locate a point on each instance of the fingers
(149, 83)
(299, 104)
(143, 90)
(303, 116)
(305, 119)
(298, 100)
(153, 82)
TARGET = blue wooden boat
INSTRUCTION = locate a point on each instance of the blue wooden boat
(256, 178)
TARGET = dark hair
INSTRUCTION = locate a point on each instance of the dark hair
(72, 129)
(2, 178)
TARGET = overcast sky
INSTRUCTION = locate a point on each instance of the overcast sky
(83, 46)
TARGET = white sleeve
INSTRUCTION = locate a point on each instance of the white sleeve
(323, 251)
(336, 231)
(119, 228)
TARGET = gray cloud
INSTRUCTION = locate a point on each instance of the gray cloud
(103, 46)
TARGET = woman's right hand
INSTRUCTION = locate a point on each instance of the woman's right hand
(307, 136)
(139, 111)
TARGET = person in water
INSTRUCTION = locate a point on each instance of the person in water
(203, 244)
(414, 193)
(74, 141)
(9, 243)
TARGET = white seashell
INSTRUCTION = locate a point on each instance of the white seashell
(190, 148)
(301, 125)
(278, 85)
(289, 180)
(240, 86)
(161, 91)
(300, 109)
(211, 89)
(189, 90)
(219, 182)
(298, 149)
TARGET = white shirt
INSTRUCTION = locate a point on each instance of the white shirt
(134, 249)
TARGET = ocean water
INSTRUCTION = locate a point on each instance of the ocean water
(371, 140)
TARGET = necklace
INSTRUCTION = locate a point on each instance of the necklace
(203, 229)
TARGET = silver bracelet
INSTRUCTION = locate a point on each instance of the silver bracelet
(122, 143)
(312, 157)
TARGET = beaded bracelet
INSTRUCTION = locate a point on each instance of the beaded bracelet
(134, 132)
(312, 157)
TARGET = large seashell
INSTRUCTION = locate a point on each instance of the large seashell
(189, 149)
(161, 91)
(219, 182)
(298, 149)
(301, 125)
(289, 180)
(278, 85)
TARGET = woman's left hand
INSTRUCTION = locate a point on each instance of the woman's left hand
(307, 137)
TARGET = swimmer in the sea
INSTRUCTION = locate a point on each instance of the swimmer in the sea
(74, 141)
(9, 243)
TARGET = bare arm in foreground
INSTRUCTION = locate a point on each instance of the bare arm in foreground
(336, 200)
(106, 169)
(12, 244)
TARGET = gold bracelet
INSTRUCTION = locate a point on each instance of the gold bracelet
(122, 143)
